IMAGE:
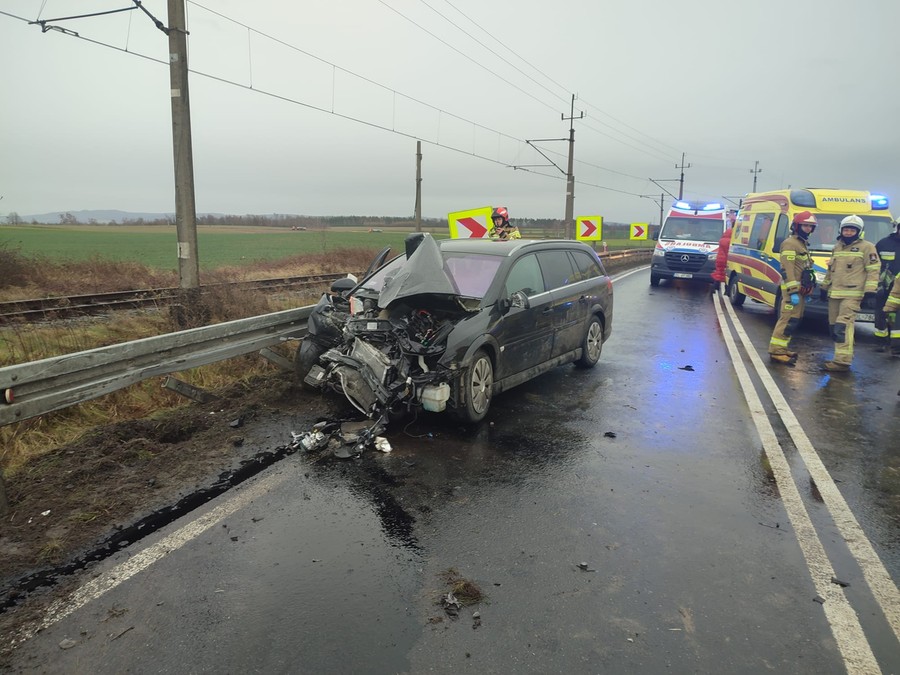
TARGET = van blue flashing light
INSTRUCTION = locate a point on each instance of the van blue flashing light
(879, 202)
(682, 205)
(712, 207)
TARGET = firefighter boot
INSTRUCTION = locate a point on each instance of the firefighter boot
(788, 359)
(836, 367)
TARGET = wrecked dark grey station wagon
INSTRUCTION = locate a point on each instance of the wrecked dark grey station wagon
(450, 323)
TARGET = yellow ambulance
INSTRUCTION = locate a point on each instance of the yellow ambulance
(763, 222)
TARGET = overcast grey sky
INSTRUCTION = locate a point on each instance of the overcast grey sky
(315, 107)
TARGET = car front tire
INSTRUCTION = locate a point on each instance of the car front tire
(592, 345)
(306, 357)
(654, 279)
(479, 388)
(737, 298)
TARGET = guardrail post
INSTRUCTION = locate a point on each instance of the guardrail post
(187, 390)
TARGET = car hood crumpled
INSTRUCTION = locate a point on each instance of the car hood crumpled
(422, 274)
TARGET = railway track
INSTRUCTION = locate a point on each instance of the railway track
(61, 307)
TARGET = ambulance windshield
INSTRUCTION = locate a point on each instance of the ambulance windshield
(692, 229)
(829, 225)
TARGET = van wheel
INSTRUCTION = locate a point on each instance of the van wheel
(737, 298)
(777, 305)
(654, 279)
(479, 387)
(592, 344)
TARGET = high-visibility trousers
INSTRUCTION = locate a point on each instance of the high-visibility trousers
(841, 319)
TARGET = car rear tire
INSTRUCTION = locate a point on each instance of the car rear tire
(592, 345)
(737, 298)
(654, 279)
(479, 387)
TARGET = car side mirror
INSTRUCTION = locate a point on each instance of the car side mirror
(341, 286)
(519, 299)
(655, 236)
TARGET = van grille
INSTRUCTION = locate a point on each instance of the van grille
(685, 262)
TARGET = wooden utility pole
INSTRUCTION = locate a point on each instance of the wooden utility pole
(569, 224)
(185, 208)
(681, 180)
(755, 170)
(418, 186)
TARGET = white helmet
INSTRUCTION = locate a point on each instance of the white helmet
(853, 221)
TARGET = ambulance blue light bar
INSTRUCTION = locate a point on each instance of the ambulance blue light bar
(682, 205)
(879, 202)
(712, 207)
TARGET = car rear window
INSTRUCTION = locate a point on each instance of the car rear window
(586, 267)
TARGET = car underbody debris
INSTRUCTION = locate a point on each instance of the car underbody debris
(345, 439)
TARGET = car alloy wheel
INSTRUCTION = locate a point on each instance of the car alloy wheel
(592, 345)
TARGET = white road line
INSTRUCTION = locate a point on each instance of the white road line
(877, 577)
(844, 622)
(142, 560)
(628, 273)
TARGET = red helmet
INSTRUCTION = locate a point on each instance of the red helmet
(803, 218)
(500, 212)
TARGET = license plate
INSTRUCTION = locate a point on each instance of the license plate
(683, 275)
(865, 316)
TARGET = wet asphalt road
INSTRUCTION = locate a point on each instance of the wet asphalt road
(650, 472)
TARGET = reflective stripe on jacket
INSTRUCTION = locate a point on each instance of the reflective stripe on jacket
(794, 259)
(852, 270)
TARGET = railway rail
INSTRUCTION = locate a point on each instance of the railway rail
(61, 307)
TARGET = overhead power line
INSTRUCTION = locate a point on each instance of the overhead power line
(334, 113)
(506, 47)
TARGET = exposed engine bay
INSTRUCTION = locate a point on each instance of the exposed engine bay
(388, 361)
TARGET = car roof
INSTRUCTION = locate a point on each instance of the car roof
(504, 248)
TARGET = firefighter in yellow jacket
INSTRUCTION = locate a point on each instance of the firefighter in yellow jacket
(852, 275)
(797, 282)
(890, 310)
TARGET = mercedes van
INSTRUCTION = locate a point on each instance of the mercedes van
(688, 242)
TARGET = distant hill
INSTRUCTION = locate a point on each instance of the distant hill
(94, 216)
(99, 216)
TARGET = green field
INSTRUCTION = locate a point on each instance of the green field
(156, 247)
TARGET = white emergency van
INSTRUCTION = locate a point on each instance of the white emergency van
(688, 242)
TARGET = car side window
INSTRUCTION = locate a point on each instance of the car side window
(781, 232)
(585, 266)
(762, 223)
(557, 268)
(525, 275)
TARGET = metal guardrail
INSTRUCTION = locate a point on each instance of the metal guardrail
(39, 387)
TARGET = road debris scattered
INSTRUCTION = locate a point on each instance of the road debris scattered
(344, 438)
(463, 593)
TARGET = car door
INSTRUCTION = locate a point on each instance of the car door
(525, 334)
(568, 305)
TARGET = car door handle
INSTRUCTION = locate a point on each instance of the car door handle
(547, 310)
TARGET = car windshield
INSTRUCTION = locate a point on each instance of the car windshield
(693, 229)
(470, 273)
(828, 227)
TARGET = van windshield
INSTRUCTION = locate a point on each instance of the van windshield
(692, 229)
(828, 228)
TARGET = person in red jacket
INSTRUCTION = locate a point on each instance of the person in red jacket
(722, 257)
